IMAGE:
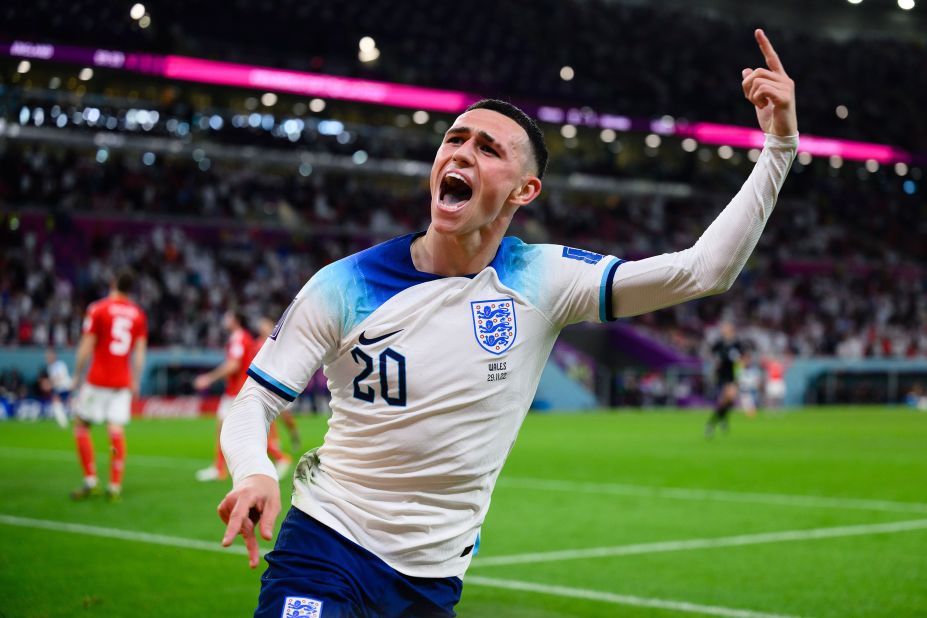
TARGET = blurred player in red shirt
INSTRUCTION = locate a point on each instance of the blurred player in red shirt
(239, 351)
(113, 327)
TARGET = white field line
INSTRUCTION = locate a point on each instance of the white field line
(679, 493)
(16, 452)
(684, 545)
(562, 591)
(618, 599)
(123, 535)
(617, 489)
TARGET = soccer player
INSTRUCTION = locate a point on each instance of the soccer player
(239, 351)
(749, 382)
(60, 380)
(727, 352)
(113, 328)
(433, 344)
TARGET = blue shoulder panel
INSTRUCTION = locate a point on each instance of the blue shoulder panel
(364, 281)
(519, 266)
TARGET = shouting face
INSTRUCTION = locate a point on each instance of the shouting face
(482, 173)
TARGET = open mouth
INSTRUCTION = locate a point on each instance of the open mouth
(454, 192)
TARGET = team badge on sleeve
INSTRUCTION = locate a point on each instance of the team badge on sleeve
(494, 324)
(301, 607)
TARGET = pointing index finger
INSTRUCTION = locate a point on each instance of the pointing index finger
(769, 54)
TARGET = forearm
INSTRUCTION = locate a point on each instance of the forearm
(84, 347)
(712, 264)
(244, 431)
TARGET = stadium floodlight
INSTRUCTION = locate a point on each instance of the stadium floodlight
(608, 135)
(23, 66)
(689, 144)
(367, 44)
(725, 152)
(842, 112)
(804, 157)
(872, 166)
(137, 11)
(316, 105)
(568, 131)
(268, 99)
(144, 22)
(653, 140)
(420, 117)
(836, 161)
(85, 75)
(368, 55)
(854, 1)
(901, 168)
(906, 5)
(567, 73)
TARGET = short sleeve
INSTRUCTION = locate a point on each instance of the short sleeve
(306, 333)
(577, 284)
(90, 321)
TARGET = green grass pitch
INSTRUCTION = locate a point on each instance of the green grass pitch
(684, 521)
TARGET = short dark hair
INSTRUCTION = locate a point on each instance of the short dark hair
(526, 122)
(124, 281)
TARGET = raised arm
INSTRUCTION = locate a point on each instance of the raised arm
(712, 264)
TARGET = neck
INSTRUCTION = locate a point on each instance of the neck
(451, 255)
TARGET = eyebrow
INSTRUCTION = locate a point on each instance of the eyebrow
(483, 134)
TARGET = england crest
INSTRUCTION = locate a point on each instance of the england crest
(494, 324)
(301, 607)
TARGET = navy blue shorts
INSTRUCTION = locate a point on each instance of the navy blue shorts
(314, 572)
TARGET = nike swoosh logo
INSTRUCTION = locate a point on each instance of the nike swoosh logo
(364, 341)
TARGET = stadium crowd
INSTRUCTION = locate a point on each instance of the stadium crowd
(839, 271)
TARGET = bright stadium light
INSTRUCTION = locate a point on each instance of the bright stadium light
(872, 166)
(753, 154)
(268, 99)
(653, 140)
(567, 73)
(368, 55)
(689, 144)
(316, 105)
(420, 117)
(137, 11)
(836, 161)
(608, 135)
(901, 168)
(568, 131)
(144, 22)
(85, 75)
(854, 1)
(367, 44)
(842, 112)
(725, 152)
(906, 5)
(23, 66)
(804, 157)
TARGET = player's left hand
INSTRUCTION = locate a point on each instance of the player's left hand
(201, 382)
(771, 91)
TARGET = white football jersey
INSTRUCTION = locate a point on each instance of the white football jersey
(430, 379)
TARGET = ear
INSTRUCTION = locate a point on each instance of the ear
(525, 193)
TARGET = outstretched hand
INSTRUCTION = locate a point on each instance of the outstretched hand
(254, 503)
(771, 91)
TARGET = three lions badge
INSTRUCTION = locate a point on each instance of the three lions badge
(494, 324)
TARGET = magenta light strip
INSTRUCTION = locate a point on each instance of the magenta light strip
(314, 84)
(740, 137)
(414, 97)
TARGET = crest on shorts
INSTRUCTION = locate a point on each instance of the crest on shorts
(301, 607)
(494, 324)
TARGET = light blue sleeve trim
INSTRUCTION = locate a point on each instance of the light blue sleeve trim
(605, 288)
(273, 381)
